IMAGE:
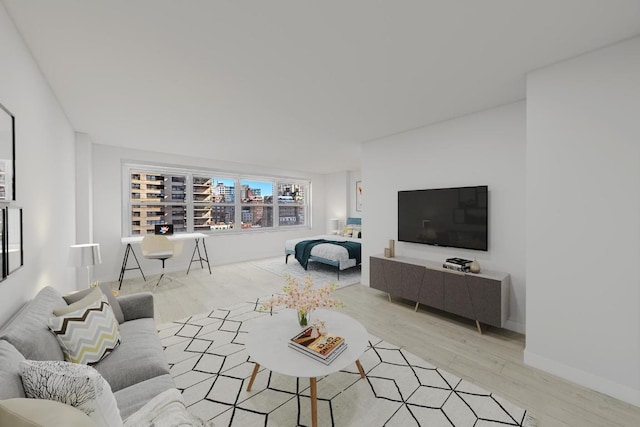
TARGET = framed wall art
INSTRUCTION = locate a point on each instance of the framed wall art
(7, 155)
(359, 196)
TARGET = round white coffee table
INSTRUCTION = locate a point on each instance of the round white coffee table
(268, 339)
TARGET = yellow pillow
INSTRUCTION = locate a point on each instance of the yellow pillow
(348, 231)
(24, 412)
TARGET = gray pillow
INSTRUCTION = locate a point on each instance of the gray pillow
(106, 289)
(27, 330)
(10, 359)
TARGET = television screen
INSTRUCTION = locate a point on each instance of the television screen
(454, 217)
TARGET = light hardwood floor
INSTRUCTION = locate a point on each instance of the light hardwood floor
(493, 360)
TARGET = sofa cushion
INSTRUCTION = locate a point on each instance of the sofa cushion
(106, 290)
(28, 331)
(77, 385)
(134, 397)
(22, 412)
(88, 334)
(138, 357)
(10, 359)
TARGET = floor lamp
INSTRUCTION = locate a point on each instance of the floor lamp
(85, 255)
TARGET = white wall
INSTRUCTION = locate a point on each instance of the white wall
(223, 249)
(337, 197)
(341, 196)
(486, 148)
(583, 226)
(44, 174)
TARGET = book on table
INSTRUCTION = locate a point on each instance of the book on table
(324, 348)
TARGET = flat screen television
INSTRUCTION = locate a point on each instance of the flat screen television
(453, 217)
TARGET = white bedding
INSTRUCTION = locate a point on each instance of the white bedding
(327, 251)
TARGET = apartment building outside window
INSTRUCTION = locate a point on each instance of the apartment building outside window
(211, 202)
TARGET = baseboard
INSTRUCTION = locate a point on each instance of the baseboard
(515, 326)
(586, 379)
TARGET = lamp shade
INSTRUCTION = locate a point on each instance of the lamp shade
(85, 255)
(334, 224)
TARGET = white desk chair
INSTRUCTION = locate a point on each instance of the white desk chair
(160, 248)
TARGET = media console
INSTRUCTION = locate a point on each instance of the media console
(483, 297)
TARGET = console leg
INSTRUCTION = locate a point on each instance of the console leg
(478, 326)
(389, 296)
(417, 304)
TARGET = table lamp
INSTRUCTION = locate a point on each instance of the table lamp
(85, 255)
(334, 226)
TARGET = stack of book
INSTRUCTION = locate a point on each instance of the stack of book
(323, 348)
(458, 264)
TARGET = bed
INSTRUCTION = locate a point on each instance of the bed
(341, 251)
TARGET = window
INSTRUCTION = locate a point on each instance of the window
(206, 201)
(257, 204)
(291, 204)
(213, 204)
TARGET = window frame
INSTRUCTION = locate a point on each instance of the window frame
(129, 168)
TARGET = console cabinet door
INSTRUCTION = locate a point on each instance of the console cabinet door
(486, 297)
(411, 281)
(456, 295)
(376, 274)
(432, 290)
(392, 272)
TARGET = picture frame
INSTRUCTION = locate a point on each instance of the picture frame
(7, 155)
(13, 253)
(359, 196)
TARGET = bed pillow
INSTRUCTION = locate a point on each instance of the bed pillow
(348, 231)
(80, 386)
(88, 334)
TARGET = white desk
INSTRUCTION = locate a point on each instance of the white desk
(197, 237)
(268, 345)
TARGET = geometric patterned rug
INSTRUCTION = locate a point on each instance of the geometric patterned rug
(211, 368)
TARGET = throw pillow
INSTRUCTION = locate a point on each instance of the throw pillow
(106, 289)
(88, 334)
(23, 412)
(80, 386)
(89, 298)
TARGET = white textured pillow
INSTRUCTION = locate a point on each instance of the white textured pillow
(165, 410)
(80, 386)
(88, 334)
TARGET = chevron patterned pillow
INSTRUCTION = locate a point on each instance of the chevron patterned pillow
(87, 334)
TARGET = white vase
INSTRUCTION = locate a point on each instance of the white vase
(474, 267)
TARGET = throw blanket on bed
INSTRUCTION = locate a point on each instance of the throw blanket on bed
(303, 250)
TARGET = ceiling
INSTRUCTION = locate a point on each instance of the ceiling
(296, 84)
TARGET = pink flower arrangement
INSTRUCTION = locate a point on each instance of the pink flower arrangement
(304, 298)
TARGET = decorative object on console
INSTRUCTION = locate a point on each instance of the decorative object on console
(458, 264)
(85, 255)
(304, 299)
(390, 252)
(474, 267)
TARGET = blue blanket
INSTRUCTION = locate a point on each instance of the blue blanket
(303, 250)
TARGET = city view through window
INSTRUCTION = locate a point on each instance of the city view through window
(195, 202)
